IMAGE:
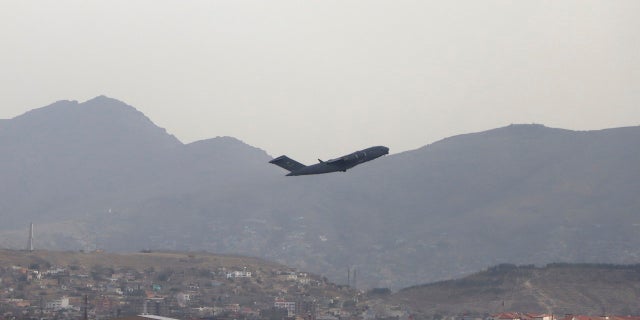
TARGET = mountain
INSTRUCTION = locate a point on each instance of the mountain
(68, 151)
(99, 174)
(68, 166)
(524, 193)
(558, 289)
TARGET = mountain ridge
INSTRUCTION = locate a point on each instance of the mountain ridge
(518, 194)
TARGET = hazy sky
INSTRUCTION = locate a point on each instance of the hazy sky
(322, 78)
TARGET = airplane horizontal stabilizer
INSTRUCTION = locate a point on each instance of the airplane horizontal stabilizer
(287, 163)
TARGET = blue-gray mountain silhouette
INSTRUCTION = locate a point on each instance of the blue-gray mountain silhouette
(99, 174)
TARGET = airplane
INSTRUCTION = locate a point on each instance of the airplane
(343, 163)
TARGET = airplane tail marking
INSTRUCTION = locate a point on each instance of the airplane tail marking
(287, 163)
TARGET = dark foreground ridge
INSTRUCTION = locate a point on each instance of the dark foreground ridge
(558, 288)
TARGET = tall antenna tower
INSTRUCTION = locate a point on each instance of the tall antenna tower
(30, 242)
(355, 279)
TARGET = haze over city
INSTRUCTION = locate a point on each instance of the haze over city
(321, 79)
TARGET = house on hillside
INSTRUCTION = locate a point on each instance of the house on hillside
(57, 304)
(183, 299)
(290, 306)
(239, 274)
(288, 276)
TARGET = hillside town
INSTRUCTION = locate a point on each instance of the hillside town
(45, 291)
(41, 290)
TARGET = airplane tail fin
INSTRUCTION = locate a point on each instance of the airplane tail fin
(287, 163)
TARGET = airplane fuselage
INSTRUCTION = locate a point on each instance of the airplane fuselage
(339, 164)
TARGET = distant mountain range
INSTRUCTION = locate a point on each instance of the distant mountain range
(99, 174)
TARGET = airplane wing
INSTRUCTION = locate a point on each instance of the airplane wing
(336, 160)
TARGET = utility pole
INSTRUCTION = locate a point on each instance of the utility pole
(30, 241)
(348, 276)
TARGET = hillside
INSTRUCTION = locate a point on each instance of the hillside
(123, 282)
(99, 174)
(559, 289)
(137, 260)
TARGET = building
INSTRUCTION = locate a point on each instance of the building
(58, 304)
(239, 274)
(290, 306)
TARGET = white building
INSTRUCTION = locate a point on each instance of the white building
(183, 299)
(239, 274)
(58, 304)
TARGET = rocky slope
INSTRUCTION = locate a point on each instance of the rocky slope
(593, 289)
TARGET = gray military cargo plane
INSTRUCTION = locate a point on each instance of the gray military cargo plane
(338, 164)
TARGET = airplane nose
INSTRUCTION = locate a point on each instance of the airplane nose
(386, 150)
